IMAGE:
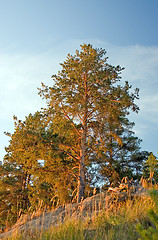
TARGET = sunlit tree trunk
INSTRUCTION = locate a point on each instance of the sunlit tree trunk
(81, 180)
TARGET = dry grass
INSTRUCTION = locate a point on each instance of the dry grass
(98, 217)
(146, 183)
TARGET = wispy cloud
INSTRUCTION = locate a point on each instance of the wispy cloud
(20, 76)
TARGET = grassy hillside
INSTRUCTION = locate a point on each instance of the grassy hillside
(98, 217)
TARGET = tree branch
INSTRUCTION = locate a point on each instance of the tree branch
(70, 120)
(69, 148)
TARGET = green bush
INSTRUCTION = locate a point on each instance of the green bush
(151, 233)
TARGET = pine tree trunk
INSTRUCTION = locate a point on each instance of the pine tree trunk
(81, 181)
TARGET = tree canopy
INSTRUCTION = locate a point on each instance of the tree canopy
(87, 92)
(82, 139)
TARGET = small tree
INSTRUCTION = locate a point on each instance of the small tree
(151, 166)
(43, 171)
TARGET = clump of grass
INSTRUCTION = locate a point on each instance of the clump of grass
(71, 230)
(119, 221)
(147, 184)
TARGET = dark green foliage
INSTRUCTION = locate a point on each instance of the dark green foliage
(151, 233)
(125, 159)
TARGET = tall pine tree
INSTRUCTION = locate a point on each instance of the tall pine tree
(87, 93)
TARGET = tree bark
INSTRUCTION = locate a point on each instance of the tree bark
(81, 183)
(81, 180)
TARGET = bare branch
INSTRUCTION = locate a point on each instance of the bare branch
(70, 120)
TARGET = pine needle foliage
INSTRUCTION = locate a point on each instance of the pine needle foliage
(88, 92)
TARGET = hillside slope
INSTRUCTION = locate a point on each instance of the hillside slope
(88, 209)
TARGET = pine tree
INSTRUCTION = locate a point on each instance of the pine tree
(151, 168)
(10, 194)
(45, 174)
(20, 161)
(86, 93)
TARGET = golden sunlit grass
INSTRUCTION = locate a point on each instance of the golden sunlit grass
(115, 222)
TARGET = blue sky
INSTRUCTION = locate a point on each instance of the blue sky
(36, 35)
